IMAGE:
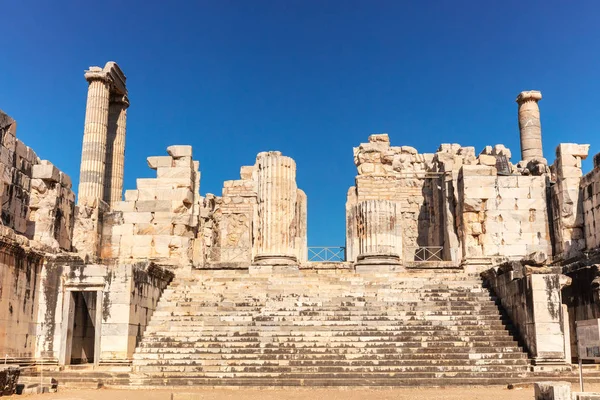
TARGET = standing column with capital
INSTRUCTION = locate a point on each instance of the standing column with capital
(115, 149)
(530, 125)
(379, 237)
(93, 155)
(277, 192)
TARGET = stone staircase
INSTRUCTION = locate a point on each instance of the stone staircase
(327, 328)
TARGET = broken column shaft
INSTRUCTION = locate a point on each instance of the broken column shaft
(379, 237)
(277, 192)
(530, 125)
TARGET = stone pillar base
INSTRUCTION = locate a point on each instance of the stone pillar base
(275, 259)
(378, 259)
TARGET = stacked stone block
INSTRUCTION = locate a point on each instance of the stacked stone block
(501, 216)
(51, 207)
(567, 208)
(532, 298)
(159, 220)
(129, 294)
(20, 266)
(238, 213)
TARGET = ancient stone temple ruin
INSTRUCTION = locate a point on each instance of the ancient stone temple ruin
(459, 267)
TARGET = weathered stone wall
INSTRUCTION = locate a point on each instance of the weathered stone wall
(129, 295)
(590, 193)
(19, 282)
(159, 220)
(37, 200)
(238, 215)
(567, 207)
(51, 207)
(502, 216)
(582, 297)
(402, 175)
(531, 296)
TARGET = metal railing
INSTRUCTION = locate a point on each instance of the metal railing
(327, 254)
(425, 253)
(229, 254)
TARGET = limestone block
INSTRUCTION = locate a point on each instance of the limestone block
(552, 391)
(155, 162)
(578, 150)
(47, 172)
(472, 204)
(131, 195)
(570, 172)
(65, 180)
(184, 162)
(174, 172)
(152, 205)
(137, 217)
(488, 160)
(124, 206)
(479, 170)
(481, 192)
(178, 151)
(379, 137)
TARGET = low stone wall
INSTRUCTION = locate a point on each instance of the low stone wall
(531, 296)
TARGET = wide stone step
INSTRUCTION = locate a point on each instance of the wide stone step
(185, 336)
(179, 312)
(446, 346)
(366, 311)
(337, 381)
(269, 335)
(333, 369)
(384, 325)
(199, 359)
(359, 348)
(340, 375)
(368, 325)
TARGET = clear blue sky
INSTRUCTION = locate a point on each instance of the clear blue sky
(309, 78)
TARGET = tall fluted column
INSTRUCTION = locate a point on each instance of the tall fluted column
(93, 155)
(115, 149)
(277, 193)
(379, 237)
(530, 125)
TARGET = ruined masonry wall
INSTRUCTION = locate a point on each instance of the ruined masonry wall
(37, 200)
(533, 303)
(398, 174)
(567, 207)
(238, 212)
(159, 220)
(590, 193)
(19, 282)
(502, 216)
(130, 294)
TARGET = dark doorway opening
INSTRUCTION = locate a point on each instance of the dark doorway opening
(84, 327)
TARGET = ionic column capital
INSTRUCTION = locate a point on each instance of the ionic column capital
(97, 74)
(529, 95)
